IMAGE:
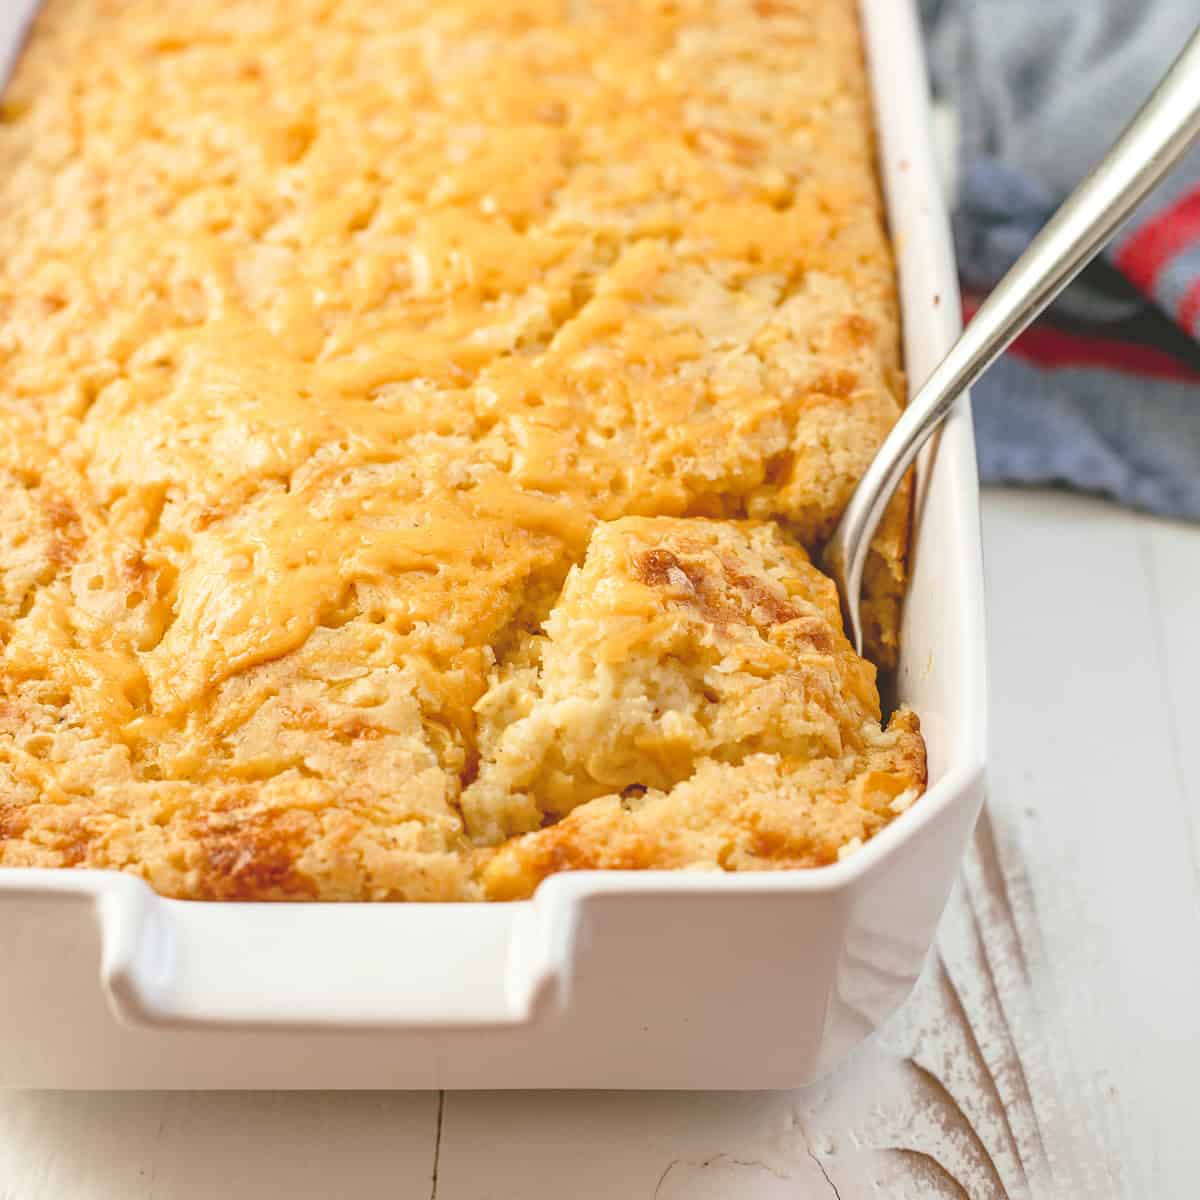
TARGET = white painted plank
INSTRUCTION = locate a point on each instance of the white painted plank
(1172, 553)
(1088, 798)
(197, 1145)
(596, 1145)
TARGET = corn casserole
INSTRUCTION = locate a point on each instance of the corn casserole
(415, 424)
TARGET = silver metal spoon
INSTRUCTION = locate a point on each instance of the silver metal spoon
(1154, 141)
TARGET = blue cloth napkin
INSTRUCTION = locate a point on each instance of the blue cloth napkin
(1104, 394)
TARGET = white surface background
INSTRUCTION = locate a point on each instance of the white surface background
(1050, 1048)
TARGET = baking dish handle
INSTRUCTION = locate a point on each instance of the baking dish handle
(179, 964)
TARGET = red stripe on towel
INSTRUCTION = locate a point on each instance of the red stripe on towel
(1152, 245)
(1188, 313)
(1045, 346)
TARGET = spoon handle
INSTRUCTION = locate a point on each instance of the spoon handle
(1154, 141)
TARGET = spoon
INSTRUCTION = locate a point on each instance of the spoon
(1153, 143)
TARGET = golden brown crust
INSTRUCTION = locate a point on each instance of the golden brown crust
(765, 814)
(333, 338)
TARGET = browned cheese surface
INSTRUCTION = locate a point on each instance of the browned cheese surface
(413, 420)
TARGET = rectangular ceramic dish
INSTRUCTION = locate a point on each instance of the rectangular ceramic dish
(602, 980)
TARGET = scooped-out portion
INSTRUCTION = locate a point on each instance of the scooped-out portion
(691, 702)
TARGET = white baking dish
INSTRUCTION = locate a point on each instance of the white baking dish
(602, 980)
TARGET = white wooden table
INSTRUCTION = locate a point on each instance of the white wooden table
(1050, 1050)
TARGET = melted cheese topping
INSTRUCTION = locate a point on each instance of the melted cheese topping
(329, 335)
